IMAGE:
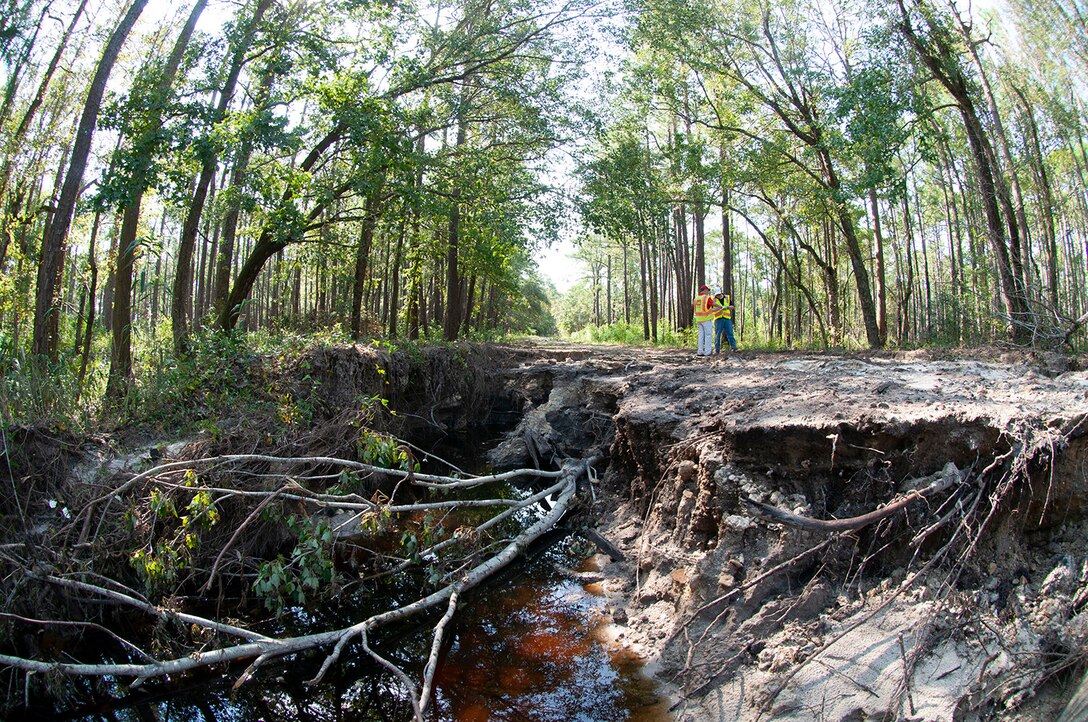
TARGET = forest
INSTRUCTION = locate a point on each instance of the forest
(857, 174)
(256, 257)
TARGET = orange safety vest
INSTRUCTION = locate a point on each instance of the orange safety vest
(705, 307)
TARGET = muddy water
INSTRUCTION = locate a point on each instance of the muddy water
(538, 648)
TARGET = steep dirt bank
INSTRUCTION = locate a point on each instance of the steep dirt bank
(966, 605)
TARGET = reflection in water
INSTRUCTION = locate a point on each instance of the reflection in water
(526, 651)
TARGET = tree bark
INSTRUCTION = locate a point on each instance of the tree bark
(453, 238)
(879, 274)
(727, 242)
(362, 255)
(144, 145)
(940, 60)
(1046, 201)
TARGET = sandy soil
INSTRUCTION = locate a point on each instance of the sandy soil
(970, 604)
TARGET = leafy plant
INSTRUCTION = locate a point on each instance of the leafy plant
(160, 562)
(281, 581)
(383, 450)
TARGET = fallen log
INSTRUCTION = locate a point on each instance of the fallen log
(943, 480)
(258, 649)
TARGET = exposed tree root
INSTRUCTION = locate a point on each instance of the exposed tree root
(942, 481)
(961, 524)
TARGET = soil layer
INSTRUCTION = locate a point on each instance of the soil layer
(968, 604)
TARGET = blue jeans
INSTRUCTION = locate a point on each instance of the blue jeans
(723, 325)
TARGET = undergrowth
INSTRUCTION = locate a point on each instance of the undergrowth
(220, 372)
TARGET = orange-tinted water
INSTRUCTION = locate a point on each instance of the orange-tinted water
(528, 651)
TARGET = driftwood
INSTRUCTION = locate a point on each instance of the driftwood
(941, 481)
(245, 645)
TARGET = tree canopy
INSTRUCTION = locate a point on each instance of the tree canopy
(861, 173)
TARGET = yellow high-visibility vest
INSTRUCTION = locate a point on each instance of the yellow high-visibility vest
(725, 311)
(705, 307)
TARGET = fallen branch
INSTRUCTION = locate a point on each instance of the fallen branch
(260, 648)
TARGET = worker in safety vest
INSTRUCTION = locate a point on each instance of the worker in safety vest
(723, 322)
(706, 308)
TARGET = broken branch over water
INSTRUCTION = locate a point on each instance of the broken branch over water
(290, 474)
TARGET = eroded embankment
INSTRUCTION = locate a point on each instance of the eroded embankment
(968, 604)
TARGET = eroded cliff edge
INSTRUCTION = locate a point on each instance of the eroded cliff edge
(967, 604)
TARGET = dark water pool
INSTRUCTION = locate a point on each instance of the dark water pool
(533, 647)
(530, 647)
(537, 649)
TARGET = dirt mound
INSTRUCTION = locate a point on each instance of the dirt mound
(967, 604)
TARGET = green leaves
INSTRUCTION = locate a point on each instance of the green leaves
(383, 450)
(162, 559)
(282, 582)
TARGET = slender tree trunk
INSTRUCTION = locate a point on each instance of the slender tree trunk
(908, 282)
(88, 331)
(879, 271)
(643, 288)
(394, 294)
(362, 256)
(144, 147)
(700, 244)
(685, 293)
(940, 60)
(53, 244)
(1046, 201)
(626, 283)
(727, 240)
(86, 311)
(608, 287)
(183, 280)
(1015, 215)
(454, 313)
(120, 376)
(470, 301)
